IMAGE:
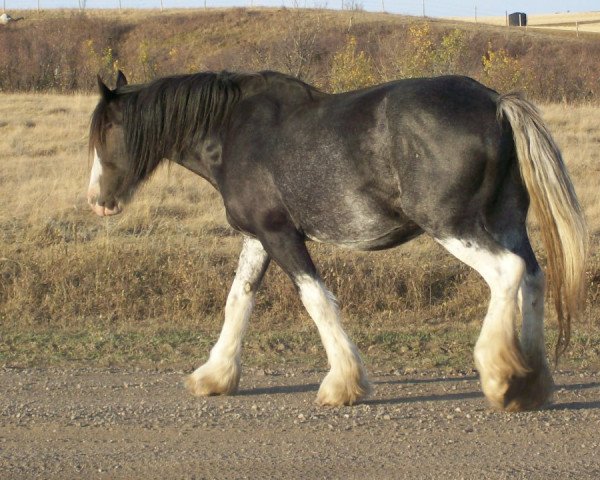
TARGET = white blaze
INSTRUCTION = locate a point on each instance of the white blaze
(94, 186)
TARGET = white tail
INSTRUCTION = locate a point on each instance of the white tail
(562, 224)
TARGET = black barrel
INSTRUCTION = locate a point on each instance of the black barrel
(517, 19)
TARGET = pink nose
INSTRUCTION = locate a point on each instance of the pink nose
(101, 210)
(105, 211)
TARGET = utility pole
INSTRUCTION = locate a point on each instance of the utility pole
(382, 6)
(423, 7)
(475, 13)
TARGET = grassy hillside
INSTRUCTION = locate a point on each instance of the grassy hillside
(149, 286)
(64, 50)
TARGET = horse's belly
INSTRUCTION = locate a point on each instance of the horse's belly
(364, 236)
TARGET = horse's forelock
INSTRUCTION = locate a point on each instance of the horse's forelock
(97, 125)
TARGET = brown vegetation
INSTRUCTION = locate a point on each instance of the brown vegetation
(63, 51)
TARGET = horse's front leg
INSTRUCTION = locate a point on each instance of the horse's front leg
(221, 373)
(347, 382)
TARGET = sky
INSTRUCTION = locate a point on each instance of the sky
(433, 8)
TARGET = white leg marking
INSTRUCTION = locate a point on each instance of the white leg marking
(497, 353)
(346, 382)
(221, 373)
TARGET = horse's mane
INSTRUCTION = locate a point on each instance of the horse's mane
(168, 115)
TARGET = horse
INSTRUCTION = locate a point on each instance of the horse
(368, 169)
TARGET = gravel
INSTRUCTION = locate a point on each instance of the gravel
(117, 423)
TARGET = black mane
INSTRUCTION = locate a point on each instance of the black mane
(168, 115)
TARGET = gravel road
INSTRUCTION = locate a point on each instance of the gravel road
(92, 423)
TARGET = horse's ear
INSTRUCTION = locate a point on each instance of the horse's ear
(106, 92)
(121, 79)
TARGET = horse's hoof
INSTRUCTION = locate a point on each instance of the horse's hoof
(337, 390)
(530, 391)
(213, 380)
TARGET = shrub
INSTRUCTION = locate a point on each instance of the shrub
(104, 63)
(147, 61)
(502, 71)
(449, 53)
(418, 59)
(351, 69)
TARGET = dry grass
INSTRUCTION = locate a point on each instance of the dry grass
(587, 21)
(149, 285)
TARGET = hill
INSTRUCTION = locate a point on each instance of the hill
(62, 51)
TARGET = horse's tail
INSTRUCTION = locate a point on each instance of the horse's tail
(562, 224)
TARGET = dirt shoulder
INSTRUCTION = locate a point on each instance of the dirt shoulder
(74, 423)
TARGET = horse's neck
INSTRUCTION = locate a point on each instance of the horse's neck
(205, 158)
(202, 159)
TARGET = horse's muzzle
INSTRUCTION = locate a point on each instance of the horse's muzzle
(101, 210)
(105, 211)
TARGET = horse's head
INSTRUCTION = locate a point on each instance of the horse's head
(111, 180)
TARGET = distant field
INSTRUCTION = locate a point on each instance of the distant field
(587, 22)
(148, 286)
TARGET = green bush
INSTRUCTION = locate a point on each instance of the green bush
(351, 69)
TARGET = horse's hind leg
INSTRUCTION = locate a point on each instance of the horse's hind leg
(221, 373)
(503, 367)
(536, 387)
